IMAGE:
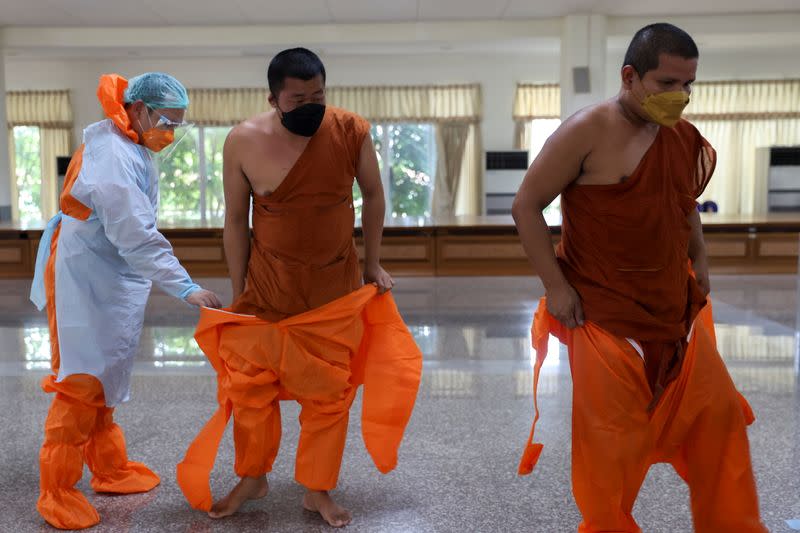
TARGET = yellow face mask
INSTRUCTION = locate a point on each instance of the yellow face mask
(665, 108)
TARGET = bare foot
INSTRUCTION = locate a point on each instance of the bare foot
(249, 488)
(321, 502)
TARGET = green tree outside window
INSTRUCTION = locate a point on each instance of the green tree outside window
(28, 173)
(407, 160)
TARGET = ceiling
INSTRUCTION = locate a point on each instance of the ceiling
(150, 13)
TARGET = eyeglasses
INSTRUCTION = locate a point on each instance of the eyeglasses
(164, 123)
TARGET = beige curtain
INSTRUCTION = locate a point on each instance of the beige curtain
(742, 119)
(740, 180)
(522, 134)
(51, 112)
(431, 103)
(225, 107)
(428, 103)
(469, 195)
(12, 162)
(39, 108)
(54, 142)
(451, 143)
(533, 101)
(737, 99)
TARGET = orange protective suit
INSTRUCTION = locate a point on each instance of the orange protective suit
(649, 385)
(318, 358)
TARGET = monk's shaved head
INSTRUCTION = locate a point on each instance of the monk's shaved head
(299, 63)
(656, 39)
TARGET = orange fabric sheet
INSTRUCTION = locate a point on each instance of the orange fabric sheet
(699, 427)
(317, 358)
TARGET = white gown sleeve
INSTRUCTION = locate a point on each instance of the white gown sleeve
(115, 176)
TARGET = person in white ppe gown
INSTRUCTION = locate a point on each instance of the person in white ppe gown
(96, 263)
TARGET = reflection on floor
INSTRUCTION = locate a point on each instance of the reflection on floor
(457, 469)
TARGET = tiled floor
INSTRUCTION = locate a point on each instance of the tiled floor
(458, 461)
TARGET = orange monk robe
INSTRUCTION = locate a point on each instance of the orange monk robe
(305, 329)
(302, 253)
(649, 385)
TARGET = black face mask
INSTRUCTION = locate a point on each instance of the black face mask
(304, 120)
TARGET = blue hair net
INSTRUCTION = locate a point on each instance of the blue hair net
(157, 90)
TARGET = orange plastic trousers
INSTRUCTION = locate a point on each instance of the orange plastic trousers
(698, 426)
(318, 358)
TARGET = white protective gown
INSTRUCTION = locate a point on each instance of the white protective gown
(105, 265)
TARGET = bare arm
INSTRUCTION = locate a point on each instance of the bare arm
(697, 252)
(236, 235)
(369, 181)
(558, 165)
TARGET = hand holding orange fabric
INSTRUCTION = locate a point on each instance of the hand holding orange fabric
(204, 298)
(377, 275)
(700, 268)
(564, 304)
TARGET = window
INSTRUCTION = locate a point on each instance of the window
(191, 174)
(36, 345)
(28, 173)
(407, 161)
(191, 178)
(541, 130)
(175, 347)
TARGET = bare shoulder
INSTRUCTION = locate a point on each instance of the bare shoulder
(588, 121)
(257, 128)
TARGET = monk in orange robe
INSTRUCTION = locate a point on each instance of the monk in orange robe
(301, 325)
(649, 385)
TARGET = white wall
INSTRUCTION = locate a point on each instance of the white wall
(497, 75)
(732, 47)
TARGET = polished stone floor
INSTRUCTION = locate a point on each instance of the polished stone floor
(458, 462)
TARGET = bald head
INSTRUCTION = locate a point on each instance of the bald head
(652, 41)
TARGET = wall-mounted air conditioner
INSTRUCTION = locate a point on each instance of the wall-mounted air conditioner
(784, 179)
(62, 163)
(504, 174)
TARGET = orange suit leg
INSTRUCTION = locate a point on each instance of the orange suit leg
(709, 431)
(323, 433)
(69, 423)
(610, 440)
(325, 414)
(107, 458)
(699, 426)
(253, 391)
